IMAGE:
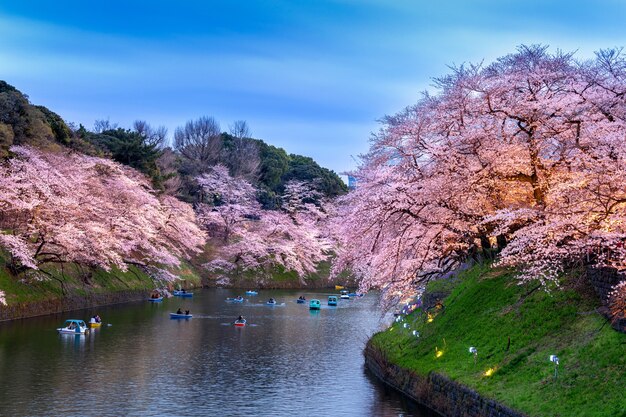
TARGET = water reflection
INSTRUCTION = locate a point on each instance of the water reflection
(287, 360)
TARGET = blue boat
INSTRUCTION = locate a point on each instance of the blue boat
(332, 300)
(180, 316)
(271, 302)
(355, 294)
(301, 300)
(73, 326)
(315, 304)
(183, 293)
(238, 299)
(251, 292)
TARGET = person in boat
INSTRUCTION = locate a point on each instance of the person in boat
(271, 301)
(186, 312)
(179, 311)
(240, 319)
(98, 319)
(184, 291)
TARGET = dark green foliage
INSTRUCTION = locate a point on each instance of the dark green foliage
(6, 139)
(303, 168)
(274, 164)
(7, 88)
(277, 168)
(61, 131)
(25, 120)
(22, 123)
(129, 148)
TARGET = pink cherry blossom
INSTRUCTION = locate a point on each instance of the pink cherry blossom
(67, 207)
(529, 149)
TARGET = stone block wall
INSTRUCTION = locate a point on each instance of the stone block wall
(72, 302)
(440, 394)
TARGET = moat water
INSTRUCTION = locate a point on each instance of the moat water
(286, 361)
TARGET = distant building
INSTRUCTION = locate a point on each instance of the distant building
(351, 183)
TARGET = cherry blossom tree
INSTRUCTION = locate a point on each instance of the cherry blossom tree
(57, 207)
(253, 239)
(528, 151)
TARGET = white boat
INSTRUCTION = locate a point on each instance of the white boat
(73, 326)
(344, 295)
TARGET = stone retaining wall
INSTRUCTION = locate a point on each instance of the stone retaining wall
(440, 394)
(72, 302)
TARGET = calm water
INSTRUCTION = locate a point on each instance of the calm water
(287, 361)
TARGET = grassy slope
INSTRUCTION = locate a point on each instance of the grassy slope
(484, 310)
(19, 290)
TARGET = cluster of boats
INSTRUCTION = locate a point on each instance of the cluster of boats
(314, 304)
(157, 296)
(78, 327)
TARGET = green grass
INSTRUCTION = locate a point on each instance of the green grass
(485, 308)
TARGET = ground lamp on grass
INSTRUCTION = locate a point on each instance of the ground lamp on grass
(474, 351)
(416, 333)
(555, 359)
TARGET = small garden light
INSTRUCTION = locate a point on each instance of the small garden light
(438, 352)
(416, 333)
(430, 318)
(555, 359)
(405, 325)
(489, 372)
(474, 351)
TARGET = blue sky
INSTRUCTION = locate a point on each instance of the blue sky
(310, 76)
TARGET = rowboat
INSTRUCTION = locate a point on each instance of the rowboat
(155, 300)
(183, 293)
(73, 326)
(240, 323)
(251, 292)
(315, 304)
(180, 316)
(271, 302)
(301, 300)
(332, 300)
(344, 295)
(239, 299)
